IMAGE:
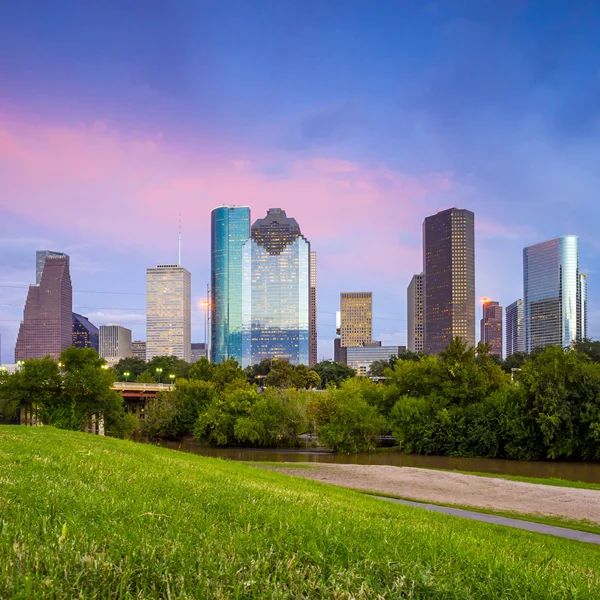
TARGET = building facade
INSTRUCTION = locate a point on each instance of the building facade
(168, 312)
(552, 288)
(85, 334)
(515, 328)
(313, 352)
(199, 350)
(40, 261)
(47, 326)
(356, 319)
(448, 278)
(138, 349)
(491, 326)
(115, 343)
(230, 230)
(582, 312)
(361, 358)
(276, 291)
(414, 305)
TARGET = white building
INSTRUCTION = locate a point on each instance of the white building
(115, 343)
(414, 304)
(168, 312)
(360, 358)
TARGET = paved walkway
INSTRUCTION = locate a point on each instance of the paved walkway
(572, 534)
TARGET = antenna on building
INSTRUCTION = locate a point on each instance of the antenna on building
(179, 262)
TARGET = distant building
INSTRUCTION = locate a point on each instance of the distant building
(552, 287)
(198, 351)
(115, 343)
(47, 323)
(515, 328)
(491, 326)
(138, 349)
(339, 352)
(85, 334)
(356, 323)
(448, 278)
(414, 304)
(361, 358)
(276, 291)
(313, 351)
(40, 261)
(168, 312)
(230, 230)
(582, 326)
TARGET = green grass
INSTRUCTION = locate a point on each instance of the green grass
(89, 517)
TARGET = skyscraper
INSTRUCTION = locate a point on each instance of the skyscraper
(138, 349)
(414, 304)
(230, 230)
(276, 291)
(115, 343)
(552, 287)
(40, 261)
(356, 319)
(582, 330)
(449, 278)
(47, 324)
(85, 334)
(491, 326)
(313, 309)
(168, 312)
(515, 328)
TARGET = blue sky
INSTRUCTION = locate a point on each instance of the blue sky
(359, 118)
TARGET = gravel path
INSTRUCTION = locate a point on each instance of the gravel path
(457, 488)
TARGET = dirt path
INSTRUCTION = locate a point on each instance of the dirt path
(457, 488)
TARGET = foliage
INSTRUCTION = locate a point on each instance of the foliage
(133, 365)
(170, 365)
(145, 377)
(332, 373)
(202, 369)
(590, 348)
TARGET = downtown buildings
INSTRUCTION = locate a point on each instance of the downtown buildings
(491, 326)
(515, 328)
(414, 306)
(115, 343)
(85, 334)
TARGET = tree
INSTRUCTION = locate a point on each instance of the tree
(170, 365)
(202, 370)
(590, 348)
(256, 374)
(229, 375)
(145, 377)
(282, 375)
(133, 365)
(514, 361)
(332, 373)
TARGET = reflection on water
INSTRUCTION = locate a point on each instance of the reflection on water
(576, 471)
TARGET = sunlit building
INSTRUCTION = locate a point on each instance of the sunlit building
(230, 230)
(554, 301)
(138, 349)
(276, 291)
(491, 326)
(448, 278)
(515, 328)
(168, 312)
(414, 305)
(85, 334)
(356, 319)
(115, 343)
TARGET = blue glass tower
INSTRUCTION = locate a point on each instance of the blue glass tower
(552, 288)
(276, 291)
(230, 229)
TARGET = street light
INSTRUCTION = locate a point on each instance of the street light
(127, 374)
(158, 372)
(171, 377)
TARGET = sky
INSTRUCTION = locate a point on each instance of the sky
(358, 117)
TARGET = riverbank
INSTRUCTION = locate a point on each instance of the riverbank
(450, 488)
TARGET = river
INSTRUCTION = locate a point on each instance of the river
(571, 471)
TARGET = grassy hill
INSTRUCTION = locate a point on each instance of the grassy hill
(91, 517)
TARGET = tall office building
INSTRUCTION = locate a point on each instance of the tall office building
(199, 350)
(138, 349)
(491, 326)
(40, 261)
(276, 291)
(356, 319)
(414, 304)
(515, 328)
(85, 334)
(582, 326)
(168, 312)
(115, 343)
(47, 324)
(448, 278)
(313, 310)
(230, 230)
(552, 287)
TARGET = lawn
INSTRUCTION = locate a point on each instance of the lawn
(85, 516)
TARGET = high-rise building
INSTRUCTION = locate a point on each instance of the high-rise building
(47, 326)
(491, 326)
(414, 304)
(168, 312)
(230, 230)
(552, 288)
(582, 326)
(361, 358)
(313, 310)
(515, 328)
(198, 351)
(115, 343)
(448, 278)
(356, 319)
(40, 261)
(138, 349)
(85, 334)
(276, 291)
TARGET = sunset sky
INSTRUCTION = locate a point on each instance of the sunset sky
(358, 117)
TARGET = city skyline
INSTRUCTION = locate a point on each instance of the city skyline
(358, 131)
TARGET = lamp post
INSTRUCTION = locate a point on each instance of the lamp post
(127, 374)
(20, 364)
(172, 378)
(158, 372)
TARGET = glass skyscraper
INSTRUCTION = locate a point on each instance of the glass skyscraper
(85, 334)
(491, 326)
(40, 261)
(552, 286)
(515, 328)
(230, 230)
(276, 291)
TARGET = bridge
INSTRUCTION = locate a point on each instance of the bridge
(137, 394)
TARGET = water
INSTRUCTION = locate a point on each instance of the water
(571, 471)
